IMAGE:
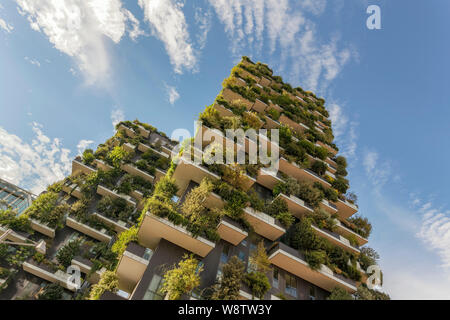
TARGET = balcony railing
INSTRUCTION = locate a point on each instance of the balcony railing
(293, 261)
(263, 224)
(343, 230)
(336, 239)
(295, 205)
(101, 190)
(229, 230)
(293, 170)
(154, 228)
(79, 167)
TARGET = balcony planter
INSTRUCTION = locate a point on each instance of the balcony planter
(263, 224)
(101, 190)
(291, 260)
(87, 230)
(143, 148)
(154, 228)
(118, 226)
(336, 239)
(128, 147)
(259, 106)
(129, 132)
(224, 112)
(132, 266)
(102, 165)
(296, 206)
(231, 96)
(131, 169)
(59, 276)
(265, 82)
(72, 190)
(85, 267)
(143, 132)
(79, 167)
(231, 231)
(42, 228)
(296, 126)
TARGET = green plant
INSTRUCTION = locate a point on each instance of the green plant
(230, 282)
(88, 156)
(68, 252)
(124, 239)
(117, 155)
(108, 282)
(319, 167)
(258, 283)
(339, 294)
(315, 258)
(52, 291)
(183, 278)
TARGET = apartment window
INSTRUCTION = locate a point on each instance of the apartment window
(276, 278)
(312, 293)
(291, 285)
(153, 291)
(241, 255)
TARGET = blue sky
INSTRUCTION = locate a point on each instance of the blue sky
(69, 70)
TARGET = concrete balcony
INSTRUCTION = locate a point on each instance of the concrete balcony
(128, 147)
(143, 132)
(131, 169)
(103, 191)
(252, 146)
(259, 106)
(331, 162)
(72, 189)
(79, 167)
(99, 235)
(240, 82)
(268, 179)
(271, 123)
(42, 228)
(86, 267)
(328, 173)
(293, 170)
(300, 99)
(345, 209)
(296, 126)
(244, 74)
(265, 82)
(331, 168)
(328, 206)
(187, 171)
(295, 205)
(231, 231)
(214, 201)
(102, 165)
(143, 148)
(224, 112)
(231, 96)
(263, 224)
(132, 266)
(118, 226)
(346, 232)
(336, 239)
(40, 271)
(154, 228)
(292, 261)
(128, 131)
(328, 147)
(210, 135)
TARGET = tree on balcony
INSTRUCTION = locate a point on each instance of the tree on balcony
(182, 279)
(230, 283)
(108, 282)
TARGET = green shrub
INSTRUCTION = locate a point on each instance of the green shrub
(88, 156)
(339, 294)
(319, 167)
(258, 283)
(52, 291)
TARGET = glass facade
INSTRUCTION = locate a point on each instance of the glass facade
(14, 197)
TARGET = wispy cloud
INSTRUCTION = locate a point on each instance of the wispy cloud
(6, 26)
(288, 30)
(33, 165)
(378, 171)
(168, 24)
(33, 61)
(83, 144)
(345, 131)
(117, 115)
(172, 93)
(203, 19)
(79, 29)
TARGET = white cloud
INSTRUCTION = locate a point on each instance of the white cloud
(117, 115)
(309, 60)
(33, 165)
(435, 231)
(168, 23)
(83, 144)
(80, 28)
(33, 61)
(203, 20)
(172, 94)
(6, 26)
(378, 172)
(344, 130)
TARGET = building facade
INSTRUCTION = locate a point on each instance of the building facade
(139, 203)
(14, 197)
